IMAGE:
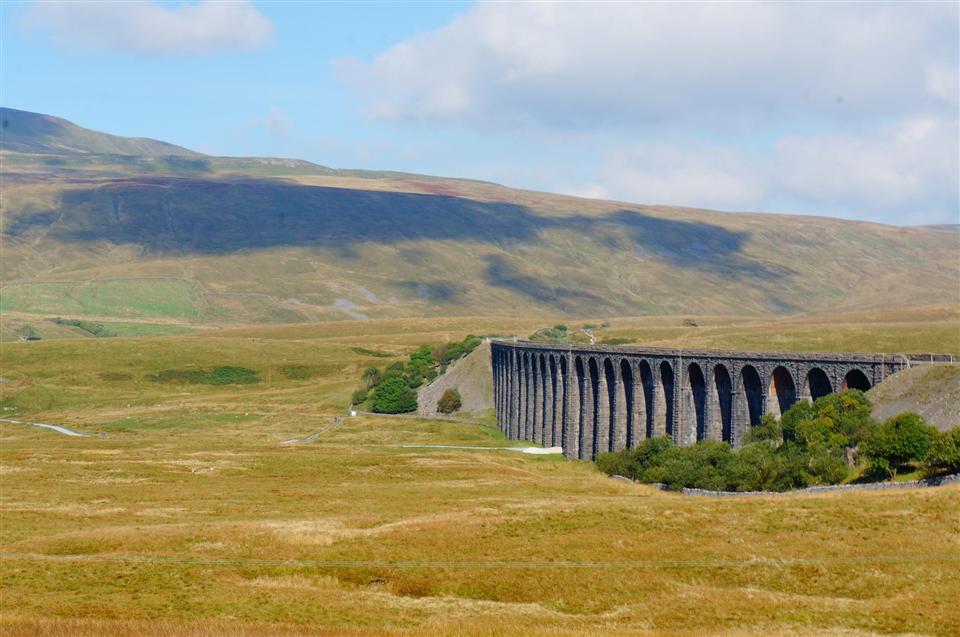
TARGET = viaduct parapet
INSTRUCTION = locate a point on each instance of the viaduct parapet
(589, 399)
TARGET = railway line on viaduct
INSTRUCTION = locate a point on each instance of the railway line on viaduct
(588, 399)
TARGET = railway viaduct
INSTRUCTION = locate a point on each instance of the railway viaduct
(589, 399)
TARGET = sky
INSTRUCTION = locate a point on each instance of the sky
(839, 109)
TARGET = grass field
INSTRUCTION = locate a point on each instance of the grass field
(189, 517)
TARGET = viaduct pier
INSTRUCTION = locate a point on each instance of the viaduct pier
(589, 399)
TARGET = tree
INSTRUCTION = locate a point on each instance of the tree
(371, 376)
(850, 413)
(422, 359)
(901, 439)
(944, 453)
(449, 402)
(394, 396)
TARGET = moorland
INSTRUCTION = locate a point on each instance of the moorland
(183, 513)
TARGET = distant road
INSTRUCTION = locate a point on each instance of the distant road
(57, 428)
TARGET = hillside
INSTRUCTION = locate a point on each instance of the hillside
(98, 226)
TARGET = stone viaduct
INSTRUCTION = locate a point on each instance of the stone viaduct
(588, 399)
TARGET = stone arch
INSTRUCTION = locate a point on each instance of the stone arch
(693, 425)
(817, 384)
(647, 384)
(629, 417)
(584, 405)
(856, 379)
(593, 403)
(667, 392)
(751, 390)
(782, 391)
(723, 394)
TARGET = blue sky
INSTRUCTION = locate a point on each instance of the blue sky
(846, 110)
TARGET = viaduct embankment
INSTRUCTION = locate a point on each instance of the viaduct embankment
(589, 399)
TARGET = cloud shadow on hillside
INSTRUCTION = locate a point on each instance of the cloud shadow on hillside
(195, 216)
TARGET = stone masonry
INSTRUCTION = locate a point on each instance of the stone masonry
(588, 399)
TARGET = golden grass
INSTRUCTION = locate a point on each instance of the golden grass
(190, 518)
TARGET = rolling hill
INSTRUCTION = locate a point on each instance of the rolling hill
(114, 228)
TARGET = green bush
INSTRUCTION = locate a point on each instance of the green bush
(767, 430)
(449, 402)
(899, 440)
(359, 396)
(944, 453)
(394, 396)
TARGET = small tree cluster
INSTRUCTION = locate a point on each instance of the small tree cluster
(393, 389)
(807, 446)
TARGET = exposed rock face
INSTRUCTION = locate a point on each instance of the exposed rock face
(471, 376)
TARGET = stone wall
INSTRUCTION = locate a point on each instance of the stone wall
(588, 399)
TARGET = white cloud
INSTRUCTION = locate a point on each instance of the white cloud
(906, 172)
(679, 173)
(902, 173)
(150, 28)
(846, 109)
(707, 64)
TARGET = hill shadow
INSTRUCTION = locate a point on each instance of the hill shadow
(181, 216)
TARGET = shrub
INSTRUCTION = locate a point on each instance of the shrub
(702, 466)
(758, 467)
(359, 396)
(449, 402)
(899, 440)
(944, 453)
(394, 396)
(767, 430)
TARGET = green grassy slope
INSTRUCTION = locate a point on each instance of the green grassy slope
(267, 240)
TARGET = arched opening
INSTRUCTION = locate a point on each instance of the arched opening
(752, 394)
(593, 416)
(629, 402)
(568, 405)
(666, 385)
(608, 436)
(581, 413)
(525, 401)
(818, 383)
(535, 402)
(782, 392)
(646, 382)
(856, 379)
(544, 404)
(554, 402)
(694, 409)
(723, 388)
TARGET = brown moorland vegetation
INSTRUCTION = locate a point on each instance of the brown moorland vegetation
(189, 517)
